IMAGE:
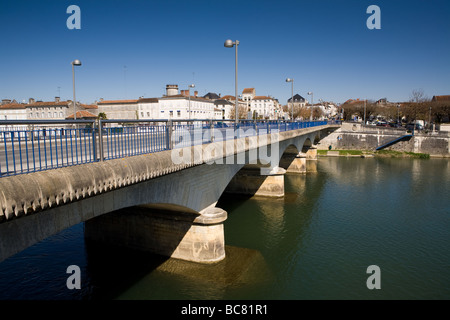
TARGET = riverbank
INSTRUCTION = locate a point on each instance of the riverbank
(378, 154)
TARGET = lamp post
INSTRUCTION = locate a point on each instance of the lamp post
(292, 97)
(190, 86)
(229, 44)
(365, 111)
(74, 63)
(429, 121)
(312, 102)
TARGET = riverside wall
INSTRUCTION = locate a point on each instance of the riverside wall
(355, 136)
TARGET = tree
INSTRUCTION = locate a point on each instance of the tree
(242, 112)
(418, 96)
(102, 116)
(317, 112)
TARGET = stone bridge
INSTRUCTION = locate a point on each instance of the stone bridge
(173, 192)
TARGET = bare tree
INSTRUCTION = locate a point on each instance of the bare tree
(418, 96)
(242, 112)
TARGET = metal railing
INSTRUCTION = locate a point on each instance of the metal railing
(29, 146)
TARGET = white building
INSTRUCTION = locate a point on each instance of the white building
(11, 110)
(263, 107)
(176, 106)
(119, 109)
(49, 110)
(172, 106)
(247, 95)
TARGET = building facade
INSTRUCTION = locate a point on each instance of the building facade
(11, 110)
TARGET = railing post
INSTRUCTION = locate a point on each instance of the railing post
(100, 139)
(211, 127)
(169, 129)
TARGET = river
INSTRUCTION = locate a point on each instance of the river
(315, 243)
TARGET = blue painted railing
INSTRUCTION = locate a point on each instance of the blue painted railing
(32, 146)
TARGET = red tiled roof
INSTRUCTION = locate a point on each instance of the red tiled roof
(48, 103)
(248, 90)
(261, 98)
(441, 98)
(148, 100)
(228, 97)
(82, 114)
(12, 106)
(89, 106)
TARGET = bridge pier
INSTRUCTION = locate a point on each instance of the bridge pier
(311, 153)
(181, 235)
(294, 163)
(257, 181)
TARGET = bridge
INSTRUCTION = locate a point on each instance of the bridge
(172, 174)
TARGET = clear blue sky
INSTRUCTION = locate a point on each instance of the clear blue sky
(134, 48)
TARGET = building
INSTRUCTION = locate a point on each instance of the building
(148, 108)
(247, 95)
(119, 109)
(440, 98)
(299, 101)
(11, 110)
(243, 107)
(225, 106)
(177, 106)
(211, 96)
(171, 106)
(49, 110)
(263, 107)
(83, 115)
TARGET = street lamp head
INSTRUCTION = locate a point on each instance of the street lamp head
(289, 80)
(228, 43)
(310, 93)
(192, 86)
(76, 62)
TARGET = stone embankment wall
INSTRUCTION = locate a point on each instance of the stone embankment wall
(354, 136)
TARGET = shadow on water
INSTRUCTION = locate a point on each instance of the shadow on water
(112, 269)
(117, 273)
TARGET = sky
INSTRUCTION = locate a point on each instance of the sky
(130, 49)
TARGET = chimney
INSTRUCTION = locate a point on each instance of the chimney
(101, 99)
(171, 89)
(6, 101)
(195, 93)
(57, 99)
(31, 100)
